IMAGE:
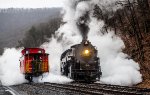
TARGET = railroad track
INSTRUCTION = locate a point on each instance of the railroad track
(80, 89)
(98, 89)
(122, 88)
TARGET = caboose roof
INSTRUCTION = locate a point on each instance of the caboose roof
(32, 50)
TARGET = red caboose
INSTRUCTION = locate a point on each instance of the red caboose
(33, 63)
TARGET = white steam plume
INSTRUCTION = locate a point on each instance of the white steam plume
(9, 67)
(116, 67)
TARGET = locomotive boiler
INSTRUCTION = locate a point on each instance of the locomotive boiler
(81, 62)
(33, 63)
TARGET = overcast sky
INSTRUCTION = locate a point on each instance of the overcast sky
(30, 3)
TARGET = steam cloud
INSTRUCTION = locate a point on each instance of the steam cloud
(9, 67)
(116, 67)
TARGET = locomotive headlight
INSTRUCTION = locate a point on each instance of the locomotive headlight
(86, 52)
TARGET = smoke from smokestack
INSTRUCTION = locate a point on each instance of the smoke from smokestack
(83, 19)
(82, 24)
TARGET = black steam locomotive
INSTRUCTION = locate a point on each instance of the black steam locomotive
(81, 63)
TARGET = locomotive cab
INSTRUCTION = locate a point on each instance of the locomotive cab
(33, 63)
